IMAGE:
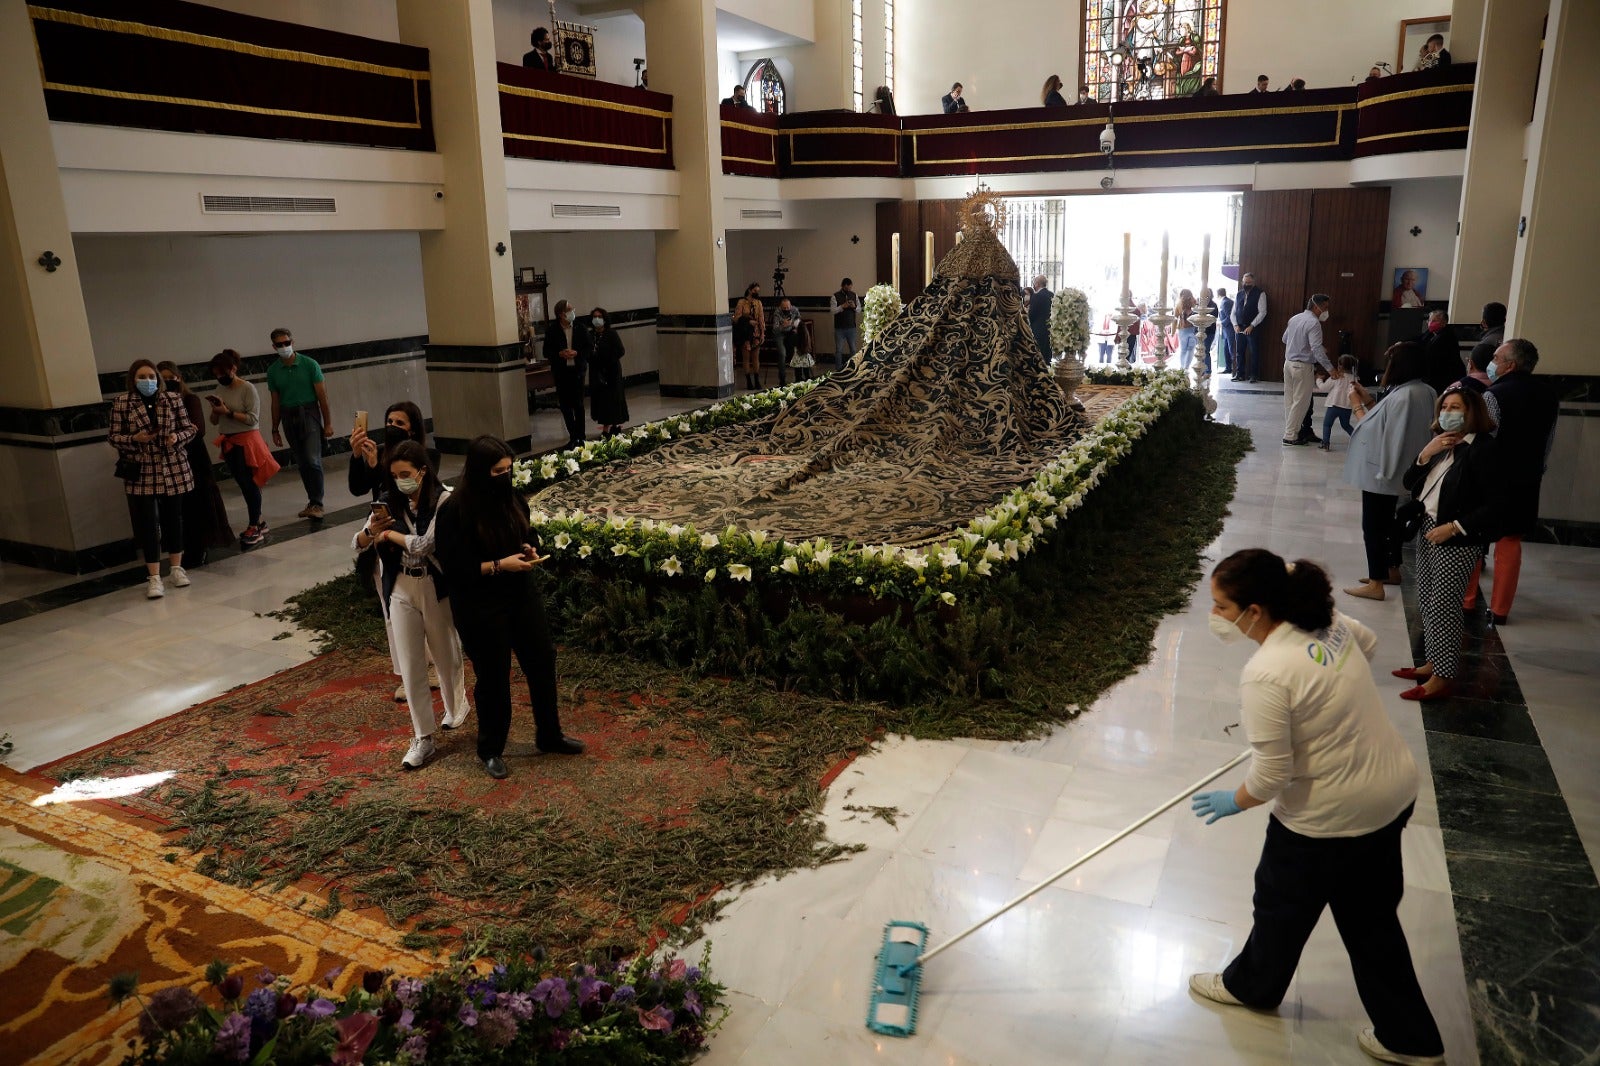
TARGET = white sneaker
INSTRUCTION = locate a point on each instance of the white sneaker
(400, 692)
(1211, 987)
(180, 577)
(154, 590)
(452, 722)
(418, 754)
(1368, 1042)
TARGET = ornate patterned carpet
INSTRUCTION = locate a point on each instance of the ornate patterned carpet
(85, 896)
(949, 408)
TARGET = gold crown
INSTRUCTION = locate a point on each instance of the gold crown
(982, 210)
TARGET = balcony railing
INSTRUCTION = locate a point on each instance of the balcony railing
(167, 65)
(1420, 112)
(544, 115)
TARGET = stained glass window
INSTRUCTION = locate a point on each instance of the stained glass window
(1150, 49)
(888, 44)
(855, 51)
(763, 87)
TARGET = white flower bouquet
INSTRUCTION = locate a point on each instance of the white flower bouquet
(880, 307)
(1069, 322)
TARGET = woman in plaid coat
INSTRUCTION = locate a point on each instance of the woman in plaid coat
(150, 431)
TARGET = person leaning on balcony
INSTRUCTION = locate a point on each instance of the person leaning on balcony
(737, 99)
(1261, 84)
(539, 58)
(1083, 95)
(1050, 95)
(1208, 88)
(952, 102)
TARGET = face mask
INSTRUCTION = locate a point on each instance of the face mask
(1452, 421)
(225, 379)
(597, 322)
(500, 484)
(174, 386)
(1322, 316)
(285, 351)
(408, 486)
(147, 386)
(1493, 371)
(1435, 327)
(1227, 630)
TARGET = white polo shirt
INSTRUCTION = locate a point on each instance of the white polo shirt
(1324, 746)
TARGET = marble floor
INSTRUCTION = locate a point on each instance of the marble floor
(1092, 970)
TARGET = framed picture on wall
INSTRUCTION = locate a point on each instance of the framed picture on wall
(532, 312)
(1410, 287)
(1414, 33)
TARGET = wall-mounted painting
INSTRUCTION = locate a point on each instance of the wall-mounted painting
(1410, 287)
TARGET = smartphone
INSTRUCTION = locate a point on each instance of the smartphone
(361, 421)
(215, 402)
(380, 510)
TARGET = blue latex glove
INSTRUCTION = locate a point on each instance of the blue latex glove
(1218, 804)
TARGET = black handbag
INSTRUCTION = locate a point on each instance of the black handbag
(128, 469)
(1409, 516)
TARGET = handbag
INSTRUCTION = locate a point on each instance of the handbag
(1409, 516)
(128, 469)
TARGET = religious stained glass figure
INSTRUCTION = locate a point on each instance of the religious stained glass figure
(1167, 47)
(763, 87)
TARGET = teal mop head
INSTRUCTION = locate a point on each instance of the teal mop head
(893, 1010)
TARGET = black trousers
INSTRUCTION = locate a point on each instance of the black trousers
(1380, 532)
(569, 397)
(1361, 880)
(157, 525)
(491, 633)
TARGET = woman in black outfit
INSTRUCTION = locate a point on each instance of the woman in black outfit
(205, 516)
(368, 473)
(481, 537)
(1457, 480)
(602, 349)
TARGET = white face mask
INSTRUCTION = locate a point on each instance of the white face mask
(284, 351)
(1227, 630)
(408, 485)
(1322, 316)
(597, 322)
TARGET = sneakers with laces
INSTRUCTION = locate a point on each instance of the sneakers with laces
(154, 589)
(314, 512)
(1211, 987)
(458, 720)
(1368, 1042)
(418, 754)
(179, 577)
(252, 536)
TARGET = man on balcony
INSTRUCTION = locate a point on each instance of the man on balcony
(737, 99)
(952, 102)
(540, 58)
(1249, 311)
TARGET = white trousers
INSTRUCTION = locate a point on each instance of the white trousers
(1298, 379)
(421, 623)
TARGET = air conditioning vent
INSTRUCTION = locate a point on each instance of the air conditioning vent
(267, 205)
(760, 212)
(585, 211)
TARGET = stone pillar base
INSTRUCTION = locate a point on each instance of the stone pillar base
(696, 355)
(477, 389)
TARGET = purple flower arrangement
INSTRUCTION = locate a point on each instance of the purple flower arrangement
(657, 1011)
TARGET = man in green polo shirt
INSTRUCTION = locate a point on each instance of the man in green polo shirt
(300, 412)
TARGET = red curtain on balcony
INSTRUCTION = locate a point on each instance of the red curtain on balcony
(168, 65)
(1425, 111)
(545, 115)
(749, 143)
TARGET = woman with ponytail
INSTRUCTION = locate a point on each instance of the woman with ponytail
(482, 539)
(1342, 783)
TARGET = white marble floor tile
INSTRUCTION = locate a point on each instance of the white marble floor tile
(1129, 871)
(976, 836)
(1006, 780)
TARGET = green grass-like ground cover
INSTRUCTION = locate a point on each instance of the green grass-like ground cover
(783, 698)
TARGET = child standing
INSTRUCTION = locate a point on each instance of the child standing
(1339, 404)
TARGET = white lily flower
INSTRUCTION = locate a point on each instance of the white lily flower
(1011, 549)
(739, 571)
(1035, 525)
(711, 575)
(709, 541)
(1050, 521)
(790, 564)
(619, 549)
(823, 555)
(584, 550)
(992, 552)
(949, 559)
(984, 567)
(572, 466)
(916, 560)
(672, 567)
(562, 540)
(674, 530)
(948, 597)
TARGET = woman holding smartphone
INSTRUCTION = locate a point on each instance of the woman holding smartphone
(482, 537)
(414, 591)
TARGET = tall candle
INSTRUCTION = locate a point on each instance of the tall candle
(1127, 252)
(1161, 294)
(1205, 262)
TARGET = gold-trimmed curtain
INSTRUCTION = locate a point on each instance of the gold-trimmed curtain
(549, 115)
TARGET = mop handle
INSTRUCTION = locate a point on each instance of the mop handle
(1081, 859)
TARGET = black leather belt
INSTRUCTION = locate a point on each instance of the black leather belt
(414, 571)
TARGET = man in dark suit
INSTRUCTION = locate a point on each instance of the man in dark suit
(1261, 84)
(540, 58)
(737, 99)
(953, 104)
(1249, 313)
(1225, 321)
(568, 367)
(1528, 410)
(1039, 314)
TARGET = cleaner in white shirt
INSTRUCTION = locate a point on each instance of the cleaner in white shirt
(1344, 784)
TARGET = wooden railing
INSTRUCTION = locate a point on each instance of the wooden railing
(1422, 112)
(168, 65)
(544, 115)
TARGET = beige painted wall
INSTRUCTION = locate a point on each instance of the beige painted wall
(1429, 205)
(366, 18)
(817, 258)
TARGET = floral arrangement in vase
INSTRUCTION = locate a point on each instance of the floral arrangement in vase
(880, 307)
(1069, 322)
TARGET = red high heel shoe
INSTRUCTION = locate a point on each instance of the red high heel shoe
(1420, 694)
(1409, 673)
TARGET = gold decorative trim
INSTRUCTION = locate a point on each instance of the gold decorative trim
(1411, 94)
(845, 162)
(140, 29)
(916, 158)
(1254, 112)
(747, 159)
(214, 105)
(842, 129)
(750, 129)
(1409, 133)
(585, 144)
(583, 101)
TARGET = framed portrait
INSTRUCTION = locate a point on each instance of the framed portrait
(1410, 288)
(1414, 33)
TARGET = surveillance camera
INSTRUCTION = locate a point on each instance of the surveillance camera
(438, 194)
(1108, 139)
(1107, 181)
